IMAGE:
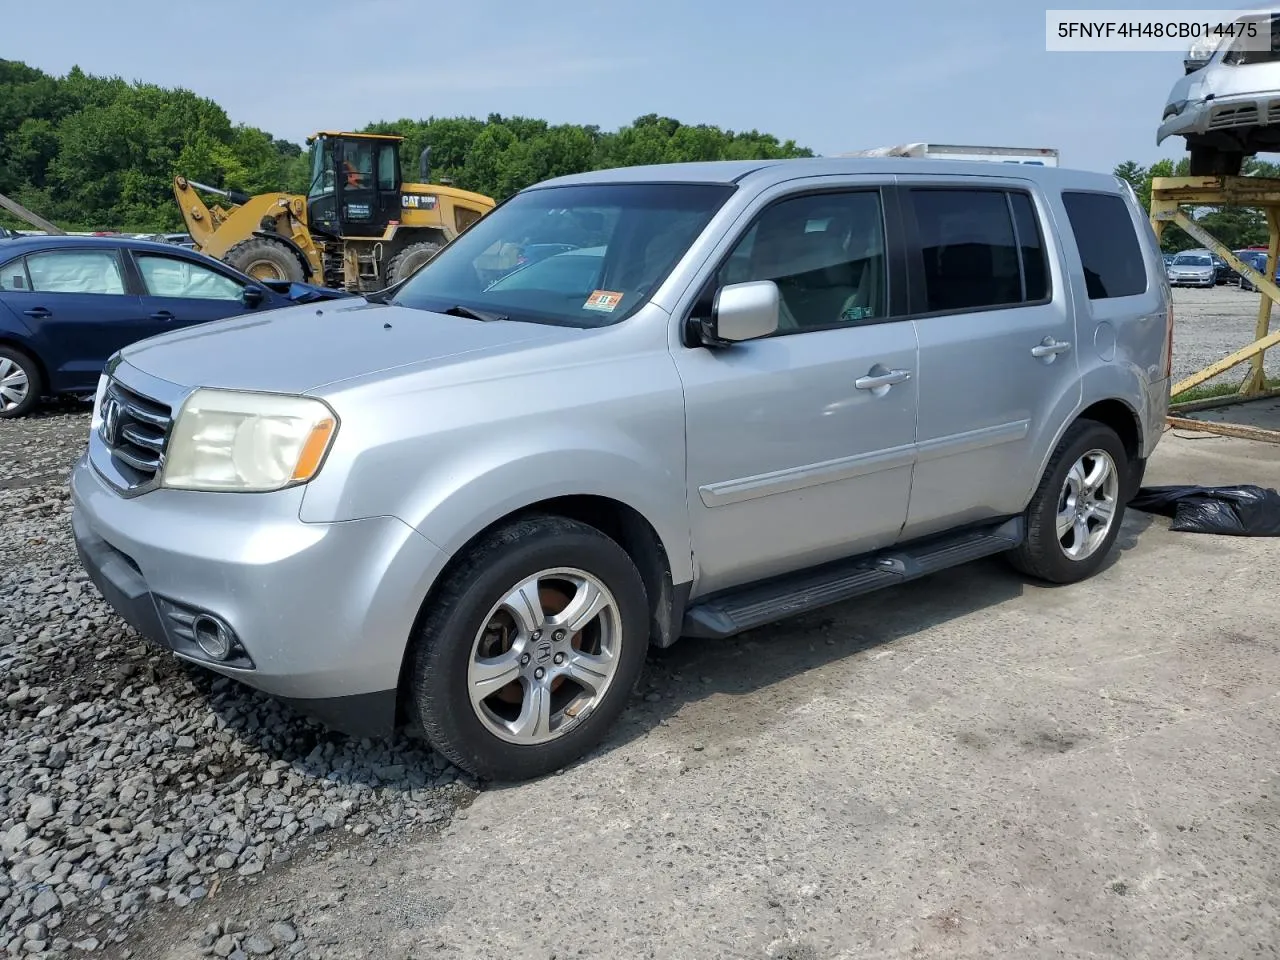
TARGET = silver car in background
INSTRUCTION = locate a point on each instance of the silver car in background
(1193, 268)
(1227, 105)
(731, 393)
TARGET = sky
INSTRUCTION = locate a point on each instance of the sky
(833, 75)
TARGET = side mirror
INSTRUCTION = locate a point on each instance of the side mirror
(743, 311)
(253, 296)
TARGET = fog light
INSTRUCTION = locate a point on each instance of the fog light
(212, 636)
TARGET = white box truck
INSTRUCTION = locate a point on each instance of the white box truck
(1040, 156)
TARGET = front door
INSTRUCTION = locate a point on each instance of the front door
(800, 445)
(368, 186)
(998, 348)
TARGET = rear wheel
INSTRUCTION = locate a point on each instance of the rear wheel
(20, 383)
(410, 259)
(265, 259)
(1075, 514)
(530, 650)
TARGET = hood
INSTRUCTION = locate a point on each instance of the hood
(296, 349)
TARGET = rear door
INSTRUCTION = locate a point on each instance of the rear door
(998, 345)
(79, 309)
(180, 292)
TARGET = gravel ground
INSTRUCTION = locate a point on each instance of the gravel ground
(127, 781)
(1210, 324)
(145, 806)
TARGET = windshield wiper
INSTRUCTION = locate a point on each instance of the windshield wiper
(460, 311)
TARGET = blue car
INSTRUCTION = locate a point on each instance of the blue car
(68, 303)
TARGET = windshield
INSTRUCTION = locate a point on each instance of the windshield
(582, 256)
(1190, 260)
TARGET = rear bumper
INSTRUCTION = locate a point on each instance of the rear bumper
(321, 613)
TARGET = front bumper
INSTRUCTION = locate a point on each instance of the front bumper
(1222, 114)
(321, 611)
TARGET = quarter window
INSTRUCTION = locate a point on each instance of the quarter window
(826, 253)
(75, 271)
(13, 276)
(1109, 250)
(172, 277)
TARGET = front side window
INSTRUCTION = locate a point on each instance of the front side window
(357, 164)
(173, 277)
(825, 252)
(619, 242)
(76, 271)
(322, 174)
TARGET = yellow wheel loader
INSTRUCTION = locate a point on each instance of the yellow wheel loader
(358, 228)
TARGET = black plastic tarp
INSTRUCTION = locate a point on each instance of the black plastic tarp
(1244, 510)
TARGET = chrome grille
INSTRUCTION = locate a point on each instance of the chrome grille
(135, 429)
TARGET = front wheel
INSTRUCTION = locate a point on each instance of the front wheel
(1075, 514)
(529, 651)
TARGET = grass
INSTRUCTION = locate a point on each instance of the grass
(1212, 391)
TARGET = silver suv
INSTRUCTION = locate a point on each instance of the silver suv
(625, 407)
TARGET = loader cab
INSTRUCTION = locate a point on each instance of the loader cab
(355, 183)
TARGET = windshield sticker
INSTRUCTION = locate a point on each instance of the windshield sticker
(604, 300)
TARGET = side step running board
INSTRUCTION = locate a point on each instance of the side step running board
(749, 607)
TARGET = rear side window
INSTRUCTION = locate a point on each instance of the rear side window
(981, 248)
(1110, 253)
(76, 271)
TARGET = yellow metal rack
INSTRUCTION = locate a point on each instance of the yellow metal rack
(1169, 195)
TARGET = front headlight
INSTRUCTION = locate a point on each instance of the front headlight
(247, 442)
(95, 421)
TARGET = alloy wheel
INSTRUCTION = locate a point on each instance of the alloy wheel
(14, 384)
(545, 656)
(1087, 504)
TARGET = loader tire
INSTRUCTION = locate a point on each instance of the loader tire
(410, 259)
(265, 259)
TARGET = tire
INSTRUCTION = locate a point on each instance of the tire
(453, 633)
(1043, 554)
(265, 259)
(408, 260)
(21, 384)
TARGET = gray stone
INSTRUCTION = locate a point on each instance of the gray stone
(283, 933)
(258, 946)
(45, 903)
(40, 809)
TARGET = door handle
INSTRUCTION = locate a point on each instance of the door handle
(871, 382)
(162, 315)
(39, 313)
(1049, 347)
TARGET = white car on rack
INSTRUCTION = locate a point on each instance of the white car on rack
(1227, 105)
